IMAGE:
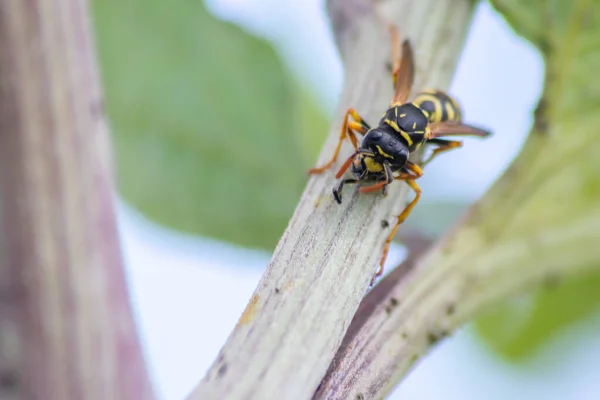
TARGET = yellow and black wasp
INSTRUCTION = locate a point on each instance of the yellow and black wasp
(383, 153)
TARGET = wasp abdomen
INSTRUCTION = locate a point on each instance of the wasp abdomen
(438, 106)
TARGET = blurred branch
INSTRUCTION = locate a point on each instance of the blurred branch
(66, 328)
(415, 241)
(296, 319)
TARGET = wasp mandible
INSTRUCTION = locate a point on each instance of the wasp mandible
(383, 154)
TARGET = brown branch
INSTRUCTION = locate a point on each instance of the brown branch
(321, 268)
(380, 296)
(66, 328)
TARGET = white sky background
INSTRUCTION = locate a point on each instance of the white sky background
(189, 292)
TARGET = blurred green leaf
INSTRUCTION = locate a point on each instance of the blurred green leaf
(208, 125)
(568, 35)
(520, 328)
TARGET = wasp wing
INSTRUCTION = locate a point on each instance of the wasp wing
(404, 72)
(449, 128)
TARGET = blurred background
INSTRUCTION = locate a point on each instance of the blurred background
(217, 110)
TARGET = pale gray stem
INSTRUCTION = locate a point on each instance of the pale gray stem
(321, 268)
(66, 329)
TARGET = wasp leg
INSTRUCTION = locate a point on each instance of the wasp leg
(388, 178)
(346, 164)
(337, 192)
(410, 173)
(349, 129)
(443, 145)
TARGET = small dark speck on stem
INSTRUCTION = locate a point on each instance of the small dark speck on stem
(434, 337)
(9, 382)
(450, 309)
(552, 281)
(540, 122)
(360, 396)
(276, 290)
(384, 224)
(222, 370)
(393, 303)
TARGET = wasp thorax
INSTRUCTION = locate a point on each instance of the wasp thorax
(375, 135)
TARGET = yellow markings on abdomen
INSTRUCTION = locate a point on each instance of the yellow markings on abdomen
(450, 111)
(457, 110)
(438, 106)
(434, 115)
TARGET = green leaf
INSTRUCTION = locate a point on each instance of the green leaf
(519, 328)
(208, 125)
(563, 149)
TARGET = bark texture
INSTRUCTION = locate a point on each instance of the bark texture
(66, 329)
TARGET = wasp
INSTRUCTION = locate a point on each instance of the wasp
(383, 153)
